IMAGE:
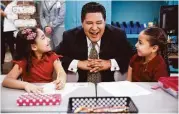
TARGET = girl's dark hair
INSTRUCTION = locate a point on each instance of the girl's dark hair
(158, 37)
(24, 39)
(92, 7)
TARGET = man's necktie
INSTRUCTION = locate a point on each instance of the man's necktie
(91, 76)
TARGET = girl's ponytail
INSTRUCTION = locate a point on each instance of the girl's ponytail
(164, 54)
(159, 37)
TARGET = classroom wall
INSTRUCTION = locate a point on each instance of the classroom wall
(73, 12)
(142, 11)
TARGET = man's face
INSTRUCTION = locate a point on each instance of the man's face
(94, 26)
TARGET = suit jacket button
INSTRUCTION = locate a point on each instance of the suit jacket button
(72, 69)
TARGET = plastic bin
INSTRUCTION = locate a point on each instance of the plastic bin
(76, 102)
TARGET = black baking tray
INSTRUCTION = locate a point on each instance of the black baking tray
(76, 102)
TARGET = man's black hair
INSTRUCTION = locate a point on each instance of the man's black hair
(92, 7)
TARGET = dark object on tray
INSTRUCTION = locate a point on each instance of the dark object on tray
(107, 104)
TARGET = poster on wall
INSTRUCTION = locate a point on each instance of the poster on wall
(25, 11)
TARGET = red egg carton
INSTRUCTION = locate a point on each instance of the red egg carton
(32, 99)
(169, 84)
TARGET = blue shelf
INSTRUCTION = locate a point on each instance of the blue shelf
(173, 70)
(132, 36)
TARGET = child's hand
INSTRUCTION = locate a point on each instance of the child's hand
(60, 83)
(33, 88)
(48, 30)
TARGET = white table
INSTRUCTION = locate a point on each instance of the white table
(9, 96)
(157, 102)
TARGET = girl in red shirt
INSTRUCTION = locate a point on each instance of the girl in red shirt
(34, 62)
(148, 64)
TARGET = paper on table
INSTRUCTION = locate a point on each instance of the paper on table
(123, 88)
(69, 87)
(49, 88)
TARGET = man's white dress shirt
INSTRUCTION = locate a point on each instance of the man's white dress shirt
(73, 65)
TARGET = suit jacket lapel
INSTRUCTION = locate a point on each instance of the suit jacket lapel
(49, 7)
(53, 4)
(82, 45)
(105, 41)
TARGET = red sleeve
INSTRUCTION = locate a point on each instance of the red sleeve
(20, 63)
(54, 56)
(131, 63)
(160, 71)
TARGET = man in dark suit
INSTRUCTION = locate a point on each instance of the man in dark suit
(113, 50)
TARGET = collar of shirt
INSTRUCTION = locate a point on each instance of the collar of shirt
(49, 2)
(90, 45)
(45, 58)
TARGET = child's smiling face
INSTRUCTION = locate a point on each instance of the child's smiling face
(42, 42)
(143, 46)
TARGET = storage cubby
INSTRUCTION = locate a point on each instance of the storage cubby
(142, 12)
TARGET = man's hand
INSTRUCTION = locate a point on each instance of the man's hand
(48, 30)
(99, 65)
(84, 65)
(33, 88)
(2, 13)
